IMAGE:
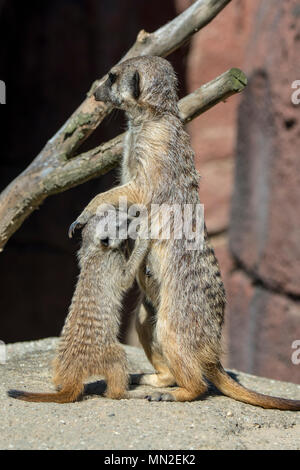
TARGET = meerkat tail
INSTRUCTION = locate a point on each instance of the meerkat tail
(233, 389)
(66, 395)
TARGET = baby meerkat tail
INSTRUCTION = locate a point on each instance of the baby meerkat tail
(68, 394)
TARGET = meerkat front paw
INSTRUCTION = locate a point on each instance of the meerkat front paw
(79, 223)
(74, 226)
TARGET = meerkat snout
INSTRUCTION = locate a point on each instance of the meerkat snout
(101, 93)
(119, 87)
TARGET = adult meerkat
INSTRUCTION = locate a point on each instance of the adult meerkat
(181, 322)
(89, 344)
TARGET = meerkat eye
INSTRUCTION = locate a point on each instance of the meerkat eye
(105, 242)
(112, 77)
(135, 83)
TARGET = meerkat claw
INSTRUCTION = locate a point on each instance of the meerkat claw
(74, 226)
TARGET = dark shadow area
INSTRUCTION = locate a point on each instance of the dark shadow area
(99, 388)
(95, 388)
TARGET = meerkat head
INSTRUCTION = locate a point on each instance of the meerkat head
(146, 83)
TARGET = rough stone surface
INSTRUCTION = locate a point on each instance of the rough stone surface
(217, 422)
(262, 328)
(265, 229)
(264, 297)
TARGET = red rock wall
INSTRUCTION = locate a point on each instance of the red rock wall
(265, 225)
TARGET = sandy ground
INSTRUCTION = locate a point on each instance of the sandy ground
(217, 422)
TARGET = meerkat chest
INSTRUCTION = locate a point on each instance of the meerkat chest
(129, 163)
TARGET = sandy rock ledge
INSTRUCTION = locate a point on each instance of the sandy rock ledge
(217, 422)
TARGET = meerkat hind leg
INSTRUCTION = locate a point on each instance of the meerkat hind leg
(162, 377)
(116, 372)
(188, 377)
(117, 381)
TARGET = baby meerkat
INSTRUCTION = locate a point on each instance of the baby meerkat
(88, 344)
(181, 332)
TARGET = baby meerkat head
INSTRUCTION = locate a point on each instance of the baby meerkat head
(146, 83)
(105, 231)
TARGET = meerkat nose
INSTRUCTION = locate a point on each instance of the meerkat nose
(96, 95)
(100, 94)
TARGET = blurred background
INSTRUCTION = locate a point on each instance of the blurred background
(247, 152)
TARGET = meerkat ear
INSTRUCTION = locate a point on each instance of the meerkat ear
(135, 83)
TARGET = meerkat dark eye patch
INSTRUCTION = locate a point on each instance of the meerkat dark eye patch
(112, 77)
(135, 83)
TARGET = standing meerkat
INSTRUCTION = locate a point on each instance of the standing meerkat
(88, 344)
(181, 322)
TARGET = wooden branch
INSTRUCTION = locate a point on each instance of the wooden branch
(177, 32)
(196, 103)
(36, 183)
